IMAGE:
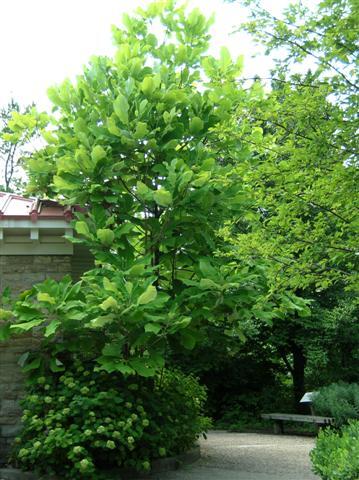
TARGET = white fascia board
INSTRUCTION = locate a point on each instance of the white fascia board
(34, 235)
(28, 224)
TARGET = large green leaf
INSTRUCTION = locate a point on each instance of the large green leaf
(152, 328)
(207, 269)
(106, 236)
(52, 327)
(147, 85)
(98, 153)
(196, 125)
(26, 326)
(82, 228)
(163, 197)
(34, 365)
(61, 184)
(121, 106)
(112, 126)
(142, 367)
(147, 296)
(109, 303)
(101, 321)
(46, 298)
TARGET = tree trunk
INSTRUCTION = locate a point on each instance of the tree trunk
(299, 362)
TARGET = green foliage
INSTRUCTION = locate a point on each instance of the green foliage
(336, 455)
(12, 146)
(137, 141)
(301, 178)
(242, 375)
(339, 400)
(333, 350)
(81, 423)
(304, 174)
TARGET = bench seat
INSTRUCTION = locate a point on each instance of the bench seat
(280, 418)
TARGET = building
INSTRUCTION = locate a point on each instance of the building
(32, 248)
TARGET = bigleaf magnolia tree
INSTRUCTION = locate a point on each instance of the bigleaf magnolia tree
(136, 142)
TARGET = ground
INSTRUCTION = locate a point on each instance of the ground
(249, 456)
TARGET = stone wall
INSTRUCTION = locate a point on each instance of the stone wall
(20, 273)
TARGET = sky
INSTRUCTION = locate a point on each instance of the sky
(42, 42)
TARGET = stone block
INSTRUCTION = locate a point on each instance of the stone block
(15, 474)
(42, 259)
(12, 390)
(10, 412)
(10, 431)
(56, 275)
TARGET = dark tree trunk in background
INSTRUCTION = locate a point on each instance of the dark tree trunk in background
(299, 362)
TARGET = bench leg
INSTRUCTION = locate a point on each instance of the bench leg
(278, 427)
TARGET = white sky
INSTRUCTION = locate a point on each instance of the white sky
(44, 41)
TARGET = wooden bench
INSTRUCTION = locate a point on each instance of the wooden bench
(280, 418)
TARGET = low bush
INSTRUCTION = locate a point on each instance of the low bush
(336, 455)
(80, 423)
(338, 400)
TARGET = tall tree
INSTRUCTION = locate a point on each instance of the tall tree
(303, 172)
(11, 149)
(137, 143)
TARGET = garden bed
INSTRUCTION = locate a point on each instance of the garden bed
(158, 466)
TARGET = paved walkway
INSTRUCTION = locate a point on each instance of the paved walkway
(249, 456)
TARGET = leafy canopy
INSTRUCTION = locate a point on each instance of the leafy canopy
(137, 142)
(304, 216)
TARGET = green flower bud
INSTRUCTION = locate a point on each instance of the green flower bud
(23, 452)
(84, 464)
(110, 444)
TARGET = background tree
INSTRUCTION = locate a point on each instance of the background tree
(303, 174)
(11, 151)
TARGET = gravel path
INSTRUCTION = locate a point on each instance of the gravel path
(249, 456)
